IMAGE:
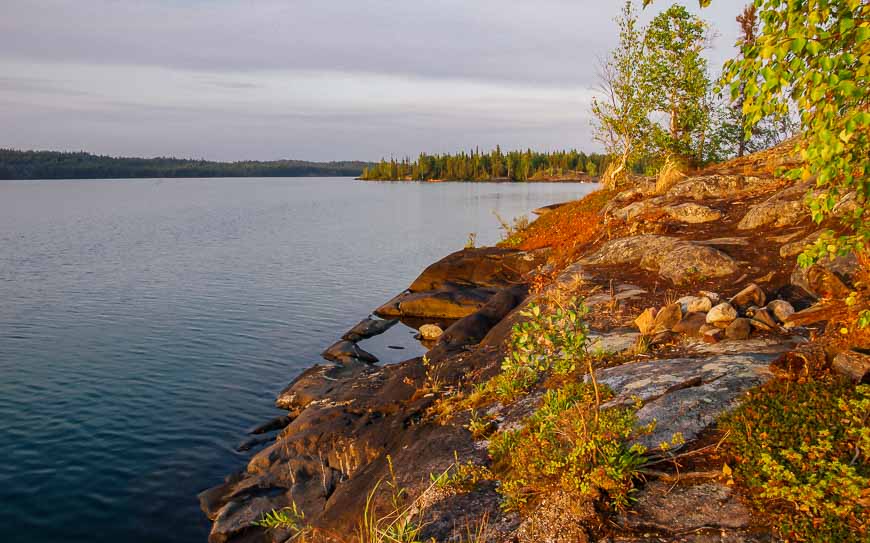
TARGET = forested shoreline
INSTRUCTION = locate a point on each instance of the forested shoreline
(16, 164)
(495, 165)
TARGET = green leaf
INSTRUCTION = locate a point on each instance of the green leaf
(798, 44)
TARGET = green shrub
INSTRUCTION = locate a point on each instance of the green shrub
(802, 449)
(569, 444)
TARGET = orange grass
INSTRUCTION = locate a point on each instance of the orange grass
(566, 228)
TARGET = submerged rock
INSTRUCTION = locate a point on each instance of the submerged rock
(347, 351)
(367, 328)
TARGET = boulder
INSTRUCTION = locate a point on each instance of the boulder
(667, 317)
(692, 213)
(780, 309)
(790, 250)
(675, 259)
(718, 186)
(345, 352)
(854, 365)
(827, 278)
(691, 324)
(686, 395)
(367, 328)
(723, 313)
(689, 506)
(739, 328)
(632, 210)
(443, 304)
(430, 332)
(480, 267)
(782, 209)
(763, 320)
(752, 295)
(473, 328)
(695, 304)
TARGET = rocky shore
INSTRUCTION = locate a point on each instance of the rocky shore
(694, 298)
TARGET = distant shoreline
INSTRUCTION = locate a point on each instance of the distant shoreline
(584, 179)
(52, 165)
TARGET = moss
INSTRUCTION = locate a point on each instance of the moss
(802, 450)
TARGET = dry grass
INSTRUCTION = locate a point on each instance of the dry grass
(672, 171)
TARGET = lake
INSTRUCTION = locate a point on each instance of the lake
(145, 325)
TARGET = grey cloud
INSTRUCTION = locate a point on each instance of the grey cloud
(509, 40)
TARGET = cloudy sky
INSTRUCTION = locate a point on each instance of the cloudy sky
(312, 79)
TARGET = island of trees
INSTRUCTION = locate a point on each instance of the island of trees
(495, 165)
(56, 165)
(475, 165)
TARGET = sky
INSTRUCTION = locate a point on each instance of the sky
(309, 80)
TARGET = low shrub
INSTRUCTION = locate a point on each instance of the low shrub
(803, 450)
(569, 444)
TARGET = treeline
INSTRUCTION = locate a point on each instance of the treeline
(57, 165)
(525, 165)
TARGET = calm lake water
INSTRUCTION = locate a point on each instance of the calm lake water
(146, 324)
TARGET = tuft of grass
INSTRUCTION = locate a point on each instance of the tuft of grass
(672, 171)
(288, 518)
(471, 242)
(399, 524)
(512, 231)
(461, 477)
(803, 450)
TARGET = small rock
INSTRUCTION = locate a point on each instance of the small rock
(854, 365)
(691, 324)
(430, 331)
(739, 329)
(667, 318)
(368, 328)
(722, 313)
(645, 321)
(694, 304)
(661, 338)
(713, 335)
(714, 297)
(763, 320)
(749, 296)
(780, 309)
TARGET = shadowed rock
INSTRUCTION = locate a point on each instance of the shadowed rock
(347, 351)
(367, 328)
